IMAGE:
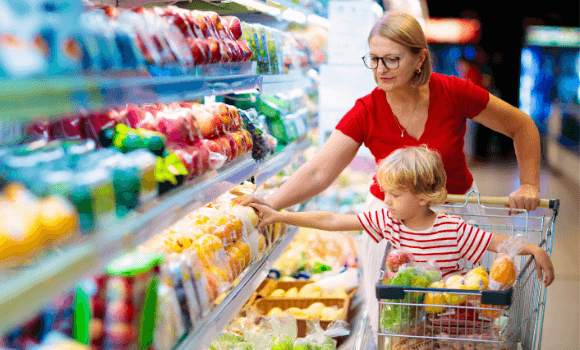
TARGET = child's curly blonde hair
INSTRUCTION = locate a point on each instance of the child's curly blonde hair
(417, 169)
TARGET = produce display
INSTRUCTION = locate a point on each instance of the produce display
(278, 333)
(313, 253)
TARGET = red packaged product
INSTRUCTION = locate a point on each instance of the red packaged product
(198, 24)
(92, 125)
(215, 152)
(131, 115)
(199, 50)
(68, 128)
(222, 110)
(230, 145)
(191, 157)
(210, 123)
(40, 128)
(234, 25)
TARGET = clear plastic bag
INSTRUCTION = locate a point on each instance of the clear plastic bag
(503, 272)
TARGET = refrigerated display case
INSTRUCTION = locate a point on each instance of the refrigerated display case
(28, 289)
(549, 93)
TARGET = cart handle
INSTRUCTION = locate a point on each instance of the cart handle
(454, 198)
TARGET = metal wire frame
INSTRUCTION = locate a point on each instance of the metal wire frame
(524, 318)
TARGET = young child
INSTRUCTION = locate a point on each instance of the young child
(413, 179)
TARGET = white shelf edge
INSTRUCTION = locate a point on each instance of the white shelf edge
(26, 293)
(212, 326)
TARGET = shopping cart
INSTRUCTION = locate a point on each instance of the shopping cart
(411, 319)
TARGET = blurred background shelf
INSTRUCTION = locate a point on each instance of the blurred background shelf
(26, 290)
(211, 327)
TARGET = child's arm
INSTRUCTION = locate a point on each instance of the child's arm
(321, 220)
(542, 259)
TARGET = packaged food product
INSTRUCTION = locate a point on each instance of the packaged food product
(131, 296)
(502, 274)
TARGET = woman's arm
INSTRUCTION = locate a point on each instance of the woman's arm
(512, 122)
(541, 258)
(315, 175)
(321, 220)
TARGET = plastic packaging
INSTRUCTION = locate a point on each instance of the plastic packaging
(503, 272)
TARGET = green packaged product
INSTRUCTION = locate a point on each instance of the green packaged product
(93, 195)
(272, 51)
(126, 140)
(262, 46)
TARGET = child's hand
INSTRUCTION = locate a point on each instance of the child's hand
(266, 214)
(543, 263)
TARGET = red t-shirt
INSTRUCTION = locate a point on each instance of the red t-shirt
(451, 101)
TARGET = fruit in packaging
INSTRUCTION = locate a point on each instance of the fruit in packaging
(396, 258)
(455, 282)
(435, 299)
(292, 293)
(278, 293)
(502, 273)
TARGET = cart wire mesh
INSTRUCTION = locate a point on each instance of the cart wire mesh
(428, 318)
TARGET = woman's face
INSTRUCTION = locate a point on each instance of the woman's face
(393, 79)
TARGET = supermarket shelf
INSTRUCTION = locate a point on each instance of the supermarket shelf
(272, 84)
(24, 292)
(53, 96)
(211, 327)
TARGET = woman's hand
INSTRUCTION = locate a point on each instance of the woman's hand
(247, 200)
(526, 197)
(543, 263)
(266, 214)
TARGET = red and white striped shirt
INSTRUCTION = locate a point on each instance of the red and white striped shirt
(446, 242)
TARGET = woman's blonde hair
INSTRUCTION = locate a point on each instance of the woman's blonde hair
(405, 30)
(417, 169)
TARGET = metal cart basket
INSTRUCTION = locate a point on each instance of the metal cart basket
(414, 318)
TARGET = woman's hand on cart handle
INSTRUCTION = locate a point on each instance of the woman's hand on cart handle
(543, 264)
(454, 198)
(527, 197)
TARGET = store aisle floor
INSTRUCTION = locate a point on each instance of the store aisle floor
(562, 318)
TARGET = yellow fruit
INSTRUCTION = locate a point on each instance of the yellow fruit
(326, 294)
(296, 312)
(475, 282)
(479, 271)
(261, 244)
(338, 313)
(315, 309)
(340, 292)
(254, 219)
(502, 273)
(246, 252)
(310, 290)
(292, 293)
(435, 299)
(455, 282)
(278, 293)
(328, 314)
(57, 218)
(276, 312)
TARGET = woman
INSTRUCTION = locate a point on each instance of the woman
(412, 106)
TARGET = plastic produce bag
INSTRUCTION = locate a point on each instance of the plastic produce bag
(323, 339)
(502, 274)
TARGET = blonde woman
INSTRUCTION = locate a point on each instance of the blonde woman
(412, 106)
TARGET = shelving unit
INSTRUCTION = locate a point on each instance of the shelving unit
(212, 326)
(24, 292)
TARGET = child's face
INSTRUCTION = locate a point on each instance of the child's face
(404, 204)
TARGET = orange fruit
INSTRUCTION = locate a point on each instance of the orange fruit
(503, 271)
(57, 218)
(237, 257)
(491, 313)
(224, 235)
(261, 244)
(246, 252)
(238, 224)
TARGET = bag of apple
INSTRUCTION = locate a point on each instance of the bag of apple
(405, 272)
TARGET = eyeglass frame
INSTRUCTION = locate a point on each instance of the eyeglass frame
(382, 59)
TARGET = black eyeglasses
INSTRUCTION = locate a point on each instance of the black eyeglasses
(373, 62)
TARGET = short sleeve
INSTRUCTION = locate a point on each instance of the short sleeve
(352, 123)
(472, 99)
(378, 224)
(472, 241)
